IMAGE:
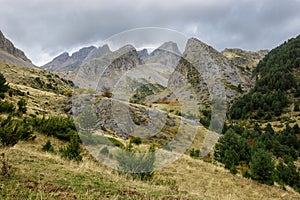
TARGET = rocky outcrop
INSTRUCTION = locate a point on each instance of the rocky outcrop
(8, 47)
(107, 69)
(247, 60)
(143, 54)
(207, 74)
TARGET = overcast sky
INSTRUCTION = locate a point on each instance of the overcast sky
(45, 28)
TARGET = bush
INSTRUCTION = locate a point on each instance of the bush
(136, 140)
(13, 130)
(116, 143)
(72, 151)
(137, 165)
(104, 151)
(6, 107)
(106, 92)
(22, 106)
(195, 153)
(262, 167)
(3, 85)
(60, 127)
(48, 147)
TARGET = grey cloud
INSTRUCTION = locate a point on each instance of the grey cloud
(45, 28)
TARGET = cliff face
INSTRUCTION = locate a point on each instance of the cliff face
(8, 47)
(204, 68)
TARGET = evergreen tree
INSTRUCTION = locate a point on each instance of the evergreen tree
(3, 85)
(22, 106)
(262, 167)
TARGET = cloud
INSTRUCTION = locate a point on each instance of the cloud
(44, 29)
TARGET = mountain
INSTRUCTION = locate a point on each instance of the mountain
(65, 62)
(45, 166)
(12, 54)
(206, 73)
(106, 69)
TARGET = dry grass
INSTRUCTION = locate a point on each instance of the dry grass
(42, 175)
(40, 101)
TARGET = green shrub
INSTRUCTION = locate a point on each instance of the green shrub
(137, 165)
(48, 147)
(6, 107)
(60, 127)
(22, 106)
(195, 153)
(72, 151)
(104, 151)
(116, 142)
(136, 140)
(13, 130)
(3, 85)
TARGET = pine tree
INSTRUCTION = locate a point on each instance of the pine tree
(22, 106)
(262, 167)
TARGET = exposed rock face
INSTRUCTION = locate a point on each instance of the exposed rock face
(247, 60)
(205, 68)
(143, 54)
(97, 52)
(9, 47)
(64, 62)
(107, 69)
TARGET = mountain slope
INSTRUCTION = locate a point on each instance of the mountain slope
(277, 85)
(8, 46)
(8, 52)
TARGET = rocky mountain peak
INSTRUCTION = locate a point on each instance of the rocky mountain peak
(62, 57)
(82, 53)
(143, 53)
(9, 47)
(65, 62)
(167, 46)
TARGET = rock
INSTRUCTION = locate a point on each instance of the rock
(9, 47)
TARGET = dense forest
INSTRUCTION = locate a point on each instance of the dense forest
(277, 83)
(261, 154)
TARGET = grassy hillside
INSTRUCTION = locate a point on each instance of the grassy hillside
(44, 92)
(38, 174)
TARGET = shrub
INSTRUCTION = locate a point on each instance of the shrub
(104, 151)
(116, 142)
(136, 140)
(13, 130)
(48, 147)
(72, 151)
(6, 107)
(22, 106)
(137, 165)
(60, 127)
(106, 92)
(262, 167)
(195, 153)
(3, 85)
